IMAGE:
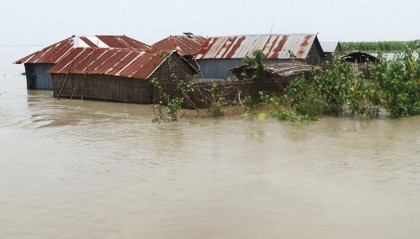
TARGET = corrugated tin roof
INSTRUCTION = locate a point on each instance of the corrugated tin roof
(273, 46)
(183, 44)
(281, 69)
(329, 46)
(52, 54)
(288, 69)
(114, 62)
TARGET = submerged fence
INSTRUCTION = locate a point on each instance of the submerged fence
(231, 91)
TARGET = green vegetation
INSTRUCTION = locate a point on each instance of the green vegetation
(210, 97)
(249, 106)
(216, 100)
(399, 83)
(384, 46)
(393, 85)
(336, 91)
(172, 104)
(256, 60)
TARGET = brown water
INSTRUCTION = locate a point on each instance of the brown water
(83, 169)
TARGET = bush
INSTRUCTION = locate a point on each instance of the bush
(336, 91)
(399, 82)
(304, 99)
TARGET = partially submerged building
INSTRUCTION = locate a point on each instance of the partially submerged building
(360, 57)
(286, 71)
(220, 54)
(275, 77)
(358, 60)
(187, 45)
(39, 63)
(116, 74)
(330, 49)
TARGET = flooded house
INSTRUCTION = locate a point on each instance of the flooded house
(359, 59)
(275, 77)
(286, 71)
(330, 49)
(187, 45)
(219, 54)
(39, 63)
(121, 75)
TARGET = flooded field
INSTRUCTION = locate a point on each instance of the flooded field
(84, 169)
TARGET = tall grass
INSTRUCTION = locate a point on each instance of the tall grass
(384, 46)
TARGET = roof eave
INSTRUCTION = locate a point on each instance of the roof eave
(157, 67)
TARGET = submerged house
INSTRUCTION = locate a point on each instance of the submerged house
(115, 74)
(359, 59)
(220, 54)
(275, 77)
(285, 72)
(39, 63)
(187, 45)
(330, 49)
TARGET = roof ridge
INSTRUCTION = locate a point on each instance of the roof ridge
(280, 34)
(119, 48)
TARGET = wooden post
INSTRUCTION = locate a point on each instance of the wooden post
(84, 76)
(65, 80)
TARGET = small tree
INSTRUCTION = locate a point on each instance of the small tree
(257, 61)
(399, 81)
(171, 103)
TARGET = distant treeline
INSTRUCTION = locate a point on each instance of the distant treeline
(384, 46)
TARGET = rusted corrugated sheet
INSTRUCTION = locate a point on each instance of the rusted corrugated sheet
(52, 54)
(288, 69)
(273, 46)
(124, 42)
(186, 46)
(114, 62)
(281, 69)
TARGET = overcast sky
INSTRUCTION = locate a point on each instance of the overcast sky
(29, 22)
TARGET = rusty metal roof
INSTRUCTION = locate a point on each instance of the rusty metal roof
(288, 69)
(110, 61)
(185, 45)
(284, 69)
(273, 46)
(52, 54)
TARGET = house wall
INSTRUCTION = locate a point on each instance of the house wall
(231, 90)
(314, 57)
(103, 87)
(37, 76)
(174, 68)
(217, 68)
(329, 56)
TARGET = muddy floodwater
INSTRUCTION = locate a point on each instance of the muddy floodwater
(84, 169)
